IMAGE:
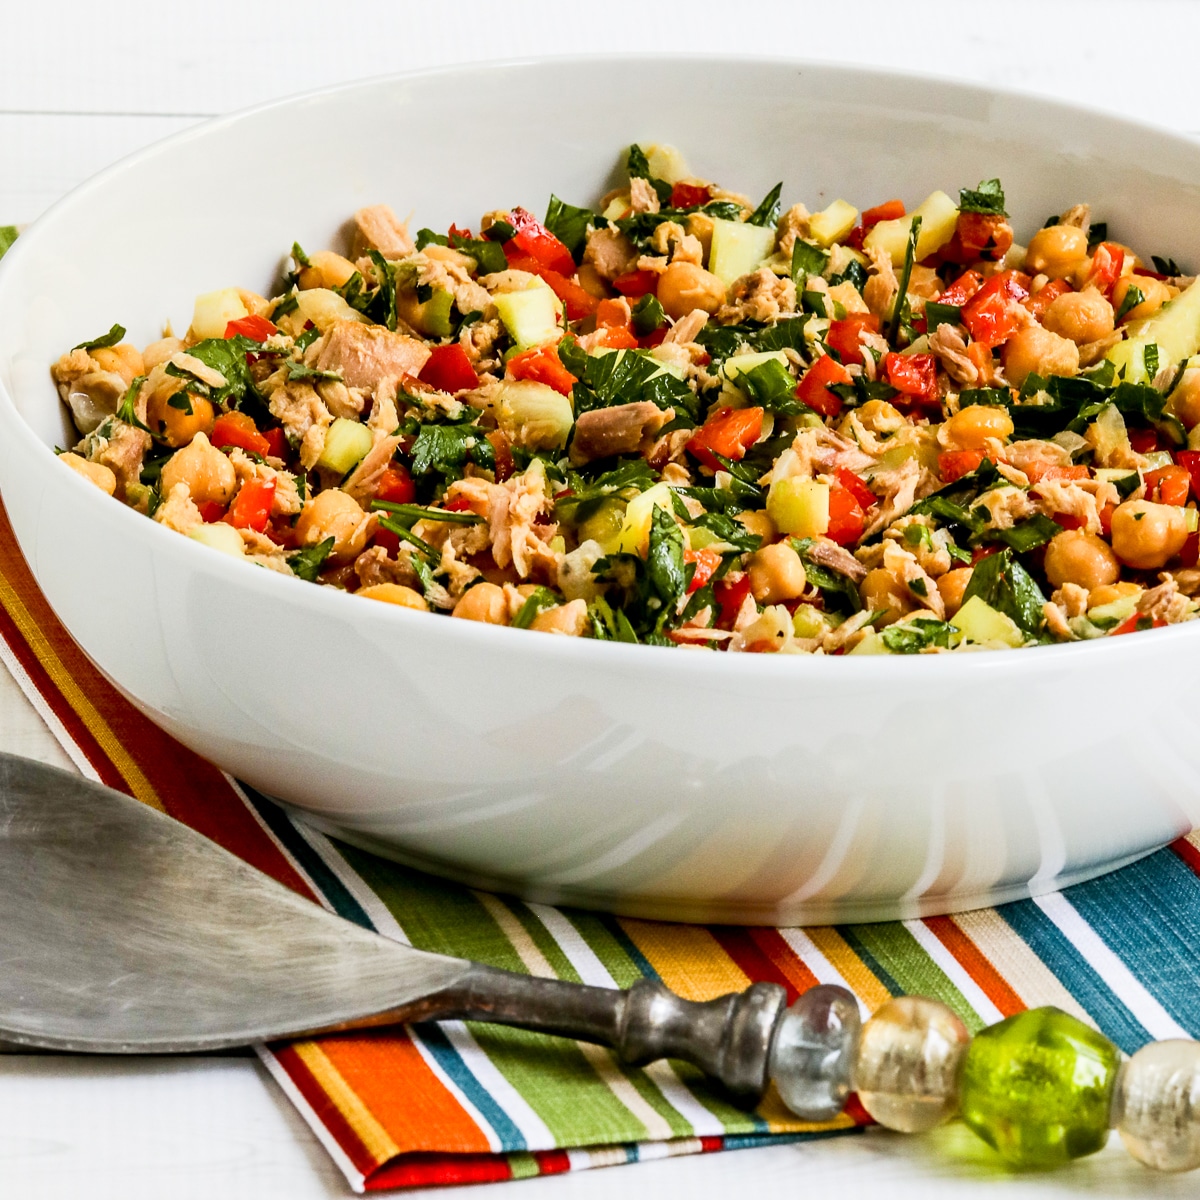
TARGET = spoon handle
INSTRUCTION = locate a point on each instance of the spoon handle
(729, 1038)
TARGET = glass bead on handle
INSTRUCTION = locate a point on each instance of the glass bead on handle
(812, 1053)
(907, 1066)
(1157, 1105)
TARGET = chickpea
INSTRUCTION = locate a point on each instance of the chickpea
(758, 522)
(971, 428)
(333, 514)
(160, 352)
(1081, 316)
(1147, 535)
(394, 593)
(328, 270)
(484, 602)
(124, 360)
(776, 574)
(592, 281)
(883, 592)
(878, 416)
(1109, 593)
(1075, 556)
(1155, 294)
(1034, 350)
(700, 226)
(176, 425)
(1056, 251)
(93, 472)
(684, 287)
(568, 619)
(209, 475)
(951, 586)
(1184, 401)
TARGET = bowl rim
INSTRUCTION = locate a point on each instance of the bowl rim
(753, 668)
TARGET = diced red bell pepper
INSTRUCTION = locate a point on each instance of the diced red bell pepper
(458, 504)
(613, 327)
(813, 389)
(730, 595)
(842, 335)
(962, 289)
(1169, 485)
(729, 432)
(1040, 301)
(251, 507)
(856, 487)
(954, 464)
(534, 239)
(654, 339)
(449, 369)
(1137, 622)
(914, 375)
(689, 195)
(1036, 472)
(1190, 554)
(237, 429)
(211, 511)
(1143, 441)
(396, 485)
(707, 561)
(1190, 461)
(1106, 516)
(983, 235)
(889, 210)
(454, 232)
(277, 443)
(257, 329)
(993, 314)
(542, 365)
(636, 283)
(389, 541)
(1108, 259)
(1068, 520)
(846, 517)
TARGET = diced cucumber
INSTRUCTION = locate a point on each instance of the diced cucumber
(220, 537)
(324, 307)
(214, 310)
(1175, 327)
(666, 163)
(346, 444)
(1156, 459)
(807, 622)
(430, 317)
(1113, 474)
(747, 362)
(634, 537)
(739, 248)
(1106, 616)
(871, 644)
(983, 625)
(799, 506)
(1129, 357)
(939, 218)
(604, 525)
(532, 317)
(533, 415)
(618, 206)
(832, 224)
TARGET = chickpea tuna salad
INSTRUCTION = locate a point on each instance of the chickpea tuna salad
(683, 419)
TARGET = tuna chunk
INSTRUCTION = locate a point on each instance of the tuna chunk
(623, 429)
(378, 228)
(365, 354)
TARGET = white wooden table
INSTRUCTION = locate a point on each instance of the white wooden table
(83, 84)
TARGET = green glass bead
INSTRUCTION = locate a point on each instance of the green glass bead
(1039, 1086)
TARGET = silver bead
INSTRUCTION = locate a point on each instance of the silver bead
(1157, 1105)
(908, 1062)
(813, 1052)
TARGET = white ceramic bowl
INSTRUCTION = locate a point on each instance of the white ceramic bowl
(646, 781)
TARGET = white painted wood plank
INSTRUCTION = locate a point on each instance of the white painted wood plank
(139, 56)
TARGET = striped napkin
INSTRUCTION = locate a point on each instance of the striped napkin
(457, 1103)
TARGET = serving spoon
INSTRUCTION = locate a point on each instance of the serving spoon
(123, 931)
